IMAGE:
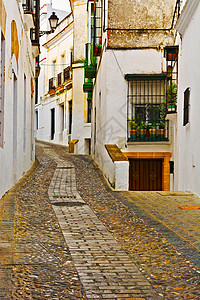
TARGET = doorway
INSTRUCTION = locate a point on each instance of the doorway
(52, 123)
(145, 175)
(15, 106)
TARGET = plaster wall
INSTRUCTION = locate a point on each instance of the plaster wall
(136, 14)
(109, 125)
(81, 130)
(188, 144)
(17, 152)
(59, 44)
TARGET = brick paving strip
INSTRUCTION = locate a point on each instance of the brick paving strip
(104, 268)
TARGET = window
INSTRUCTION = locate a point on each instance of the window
(62, 62)
(146, 107)
(36, 120)
(145, 95)
(54, 68)
(186, 106)
(2, 86)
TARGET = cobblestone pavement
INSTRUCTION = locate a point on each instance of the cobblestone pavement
(64, 234)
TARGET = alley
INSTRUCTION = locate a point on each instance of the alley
(64, 234)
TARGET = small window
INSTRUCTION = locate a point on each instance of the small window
(186, 106)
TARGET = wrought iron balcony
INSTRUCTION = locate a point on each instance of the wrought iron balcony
(90, 63)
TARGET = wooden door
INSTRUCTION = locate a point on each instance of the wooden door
(145, 174)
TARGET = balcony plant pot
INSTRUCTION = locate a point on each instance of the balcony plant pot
(171, 107)
(152, 132)
(133, 134)
(133, 129)
(88, 87)
(90, 71)
(142, 134)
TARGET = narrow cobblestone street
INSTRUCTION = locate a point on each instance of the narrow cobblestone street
(65, 234)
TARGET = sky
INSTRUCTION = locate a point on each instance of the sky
(59, 4)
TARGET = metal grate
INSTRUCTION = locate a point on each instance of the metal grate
(68, 204)
(146, 108)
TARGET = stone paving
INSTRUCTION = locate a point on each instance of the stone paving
(105, 269)
(64, 234)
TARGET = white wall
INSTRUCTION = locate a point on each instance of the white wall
(189, 74)
(58, 43)
(110, 93)
(14, 132)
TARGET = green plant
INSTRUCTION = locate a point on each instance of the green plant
(143, 125)
(132, 123)
(171, 92)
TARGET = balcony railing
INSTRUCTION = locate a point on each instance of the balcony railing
(90, 62)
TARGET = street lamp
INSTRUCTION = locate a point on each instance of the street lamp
(53, 22)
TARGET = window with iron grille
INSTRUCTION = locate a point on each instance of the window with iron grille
(59, 79)
(146, 103)
(27, 5)
(67, 74)
(186, 106)
(51, 83)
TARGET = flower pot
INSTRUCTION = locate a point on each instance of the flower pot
(142, 134)
(90, 71)
(171, 107)
(152, 133)
(133, 134)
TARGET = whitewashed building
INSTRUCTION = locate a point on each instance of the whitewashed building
(62, 110)
(188, 121)
(55, 81)
(136, 62)
(18, 22)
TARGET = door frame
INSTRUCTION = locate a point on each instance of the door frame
(165, 156)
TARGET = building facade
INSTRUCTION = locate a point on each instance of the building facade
(19, 26)
(188, 104)
(133, 86)
(62, 111)
(53, 110)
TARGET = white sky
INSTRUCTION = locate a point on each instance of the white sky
(59, 4)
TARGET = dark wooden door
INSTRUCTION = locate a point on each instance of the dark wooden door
(145, 174)
(52, 123)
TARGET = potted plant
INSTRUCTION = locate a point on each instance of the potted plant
(133, 128)
(143, 128)
(161, 130)
(171, 93)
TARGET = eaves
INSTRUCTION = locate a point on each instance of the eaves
(59, 35)
(186, 15)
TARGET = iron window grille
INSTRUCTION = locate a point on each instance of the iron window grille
(146, 108)
(97, 35)
(171, 55)
(67, 73)
(52, 83)
(27, 5)
(186, 106)
(59, 79)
